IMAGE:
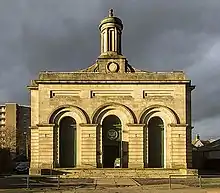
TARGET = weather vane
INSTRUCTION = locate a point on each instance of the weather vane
(111, 12)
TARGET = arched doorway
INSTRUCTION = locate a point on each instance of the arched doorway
(111, 141)
(67, 142)
(155, 143)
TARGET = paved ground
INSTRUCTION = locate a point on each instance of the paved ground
(117, 185)
(115, 182)
(134, 189)
(144, 190)
(138, 189)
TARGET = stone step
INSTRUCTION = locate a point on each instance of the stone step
(119, 173)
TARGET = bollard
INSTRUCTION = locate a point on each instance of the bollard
(200, 181)
(58, 182)
(28, 181)
(170, 181)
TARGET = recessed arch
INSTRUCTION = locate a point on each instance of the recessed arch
(59, 111)
(149, 111)
(168, 116)
(126, 117)
(56, 117)
(104, 109)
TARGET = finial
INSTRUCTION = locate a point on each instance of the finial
(110, 12)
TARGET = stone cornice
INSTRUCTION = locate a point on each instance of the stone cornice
(88, 125)
(110, 82)
(33, 127)
(32, 87)
(178, 125)
(45, 125)
(135, 125)
(96, 76)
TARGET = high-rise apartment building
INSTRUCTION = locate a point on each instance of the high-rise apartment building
(14, 126)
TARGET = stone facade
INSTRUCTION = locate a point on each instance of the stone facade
(111, 87)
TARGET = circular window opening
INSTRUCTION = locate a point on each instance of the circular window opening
(113, 67)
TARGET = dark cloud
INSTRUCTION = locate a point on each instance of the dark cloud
(158, 36)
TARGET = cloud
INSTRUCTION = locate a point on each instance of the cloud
(158, 36)
(208, 127)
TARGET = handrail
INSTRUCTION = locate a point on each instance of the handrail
(188, 175)
(36, 176)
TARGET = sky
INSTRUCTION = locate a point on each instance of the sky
(158, 35)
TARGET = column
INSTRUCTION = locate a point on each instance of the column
(135, 152)
(88, 145)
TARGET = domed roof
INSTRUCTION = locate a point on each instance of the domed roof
(111, 19)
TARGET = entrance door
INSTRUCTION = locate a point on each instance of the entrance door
(156, 143)
(67, 142)
(111, 141)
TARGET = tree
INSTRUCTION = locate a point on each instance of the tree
(8, 139)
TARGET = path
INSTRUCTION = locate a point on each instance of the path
(117, 185)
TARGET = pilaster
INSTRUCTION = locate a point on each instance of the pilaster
(46, 145)
(135, 159)
(88, 145)
(178, 138)
(34, 165)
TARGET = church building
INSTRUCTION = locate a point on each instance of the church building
(110, 114)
